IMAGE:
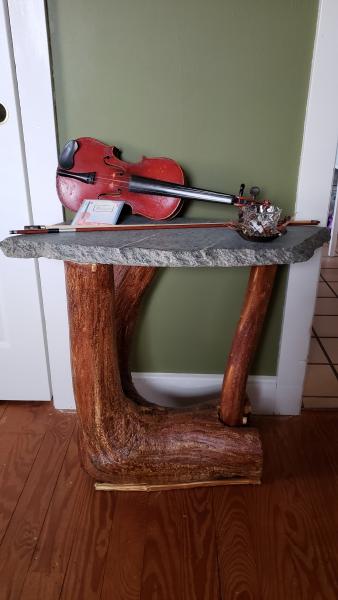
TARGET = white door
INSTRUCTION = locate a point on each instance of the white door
(23, 356)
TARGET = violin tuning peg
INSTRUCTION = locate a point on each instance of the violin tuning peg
(255, 191)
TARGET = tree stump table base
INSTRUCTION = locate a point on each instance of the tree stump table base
(124, 440)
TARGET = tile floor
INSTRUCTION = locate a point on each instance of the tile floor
(321, 380)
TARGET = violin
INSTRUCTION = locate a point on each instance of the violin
(153, 188)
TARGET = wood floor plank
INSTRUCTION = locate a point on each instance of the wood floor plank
(17, 455)
(267, 528)
(317, 474)
(236, 557)
(290, 548)
(3, 406)
(180, 559)
(318, 445)
(27, 417)
(325, 426)
(314, 479)
(48, 567)
(124, 561)
(276, 541)
(85, 571)
(19, 542)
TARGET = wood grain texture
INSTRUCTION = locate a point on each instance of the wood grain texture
(3, 406)
(122, 441)
(36, 417)
(18, 544)
(180, 559)
(236, 557)
(127, 487)
(17, 455)
(21, 435)
(131, 284)
(296, 542)
(87, 561)
(244, 344)
(125, 556)
(276, 541)
(52, 552)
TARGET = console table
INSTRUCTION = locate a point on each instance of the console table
(125, 441)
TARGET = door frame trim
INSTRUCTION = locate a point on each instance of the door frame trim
(28, 22)
(312, 202)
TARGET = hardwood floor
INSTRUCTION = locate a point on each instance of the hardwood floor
(61, 539)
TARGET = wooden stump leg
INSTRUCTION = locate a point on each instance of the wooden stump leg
(244, 344)
(123, 442)
(131, 283)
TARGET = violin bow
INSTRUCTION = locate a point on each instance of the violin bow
(40, 229)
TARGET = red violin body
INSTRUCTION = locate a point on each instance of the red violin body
(89, 169)
(153, 188)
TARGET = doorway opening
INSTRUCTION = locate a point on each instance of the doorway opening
(321, 379)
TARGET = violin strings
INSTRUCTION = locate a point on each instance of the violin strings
(113, 179)
(123, 183)
(116, 180)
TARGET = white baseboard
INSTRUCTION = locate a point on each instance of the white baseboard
(184, 389)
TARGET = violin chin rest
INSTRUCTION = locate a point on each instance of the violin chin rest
(66, 158)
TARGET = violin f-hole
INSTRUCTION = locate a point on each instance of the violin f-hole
(119, 170)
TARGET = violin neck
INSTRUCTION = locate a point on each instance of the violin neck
(143, 185)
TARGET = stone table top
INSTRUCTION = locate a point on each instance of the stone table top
(169, 248)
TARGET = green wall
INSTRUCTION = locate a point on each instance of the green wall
(221, 87)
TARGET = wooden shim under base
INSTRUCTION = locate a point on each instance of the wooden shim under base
(144, 487)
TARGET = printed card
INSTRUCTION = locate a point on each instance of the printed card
(98, 212)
